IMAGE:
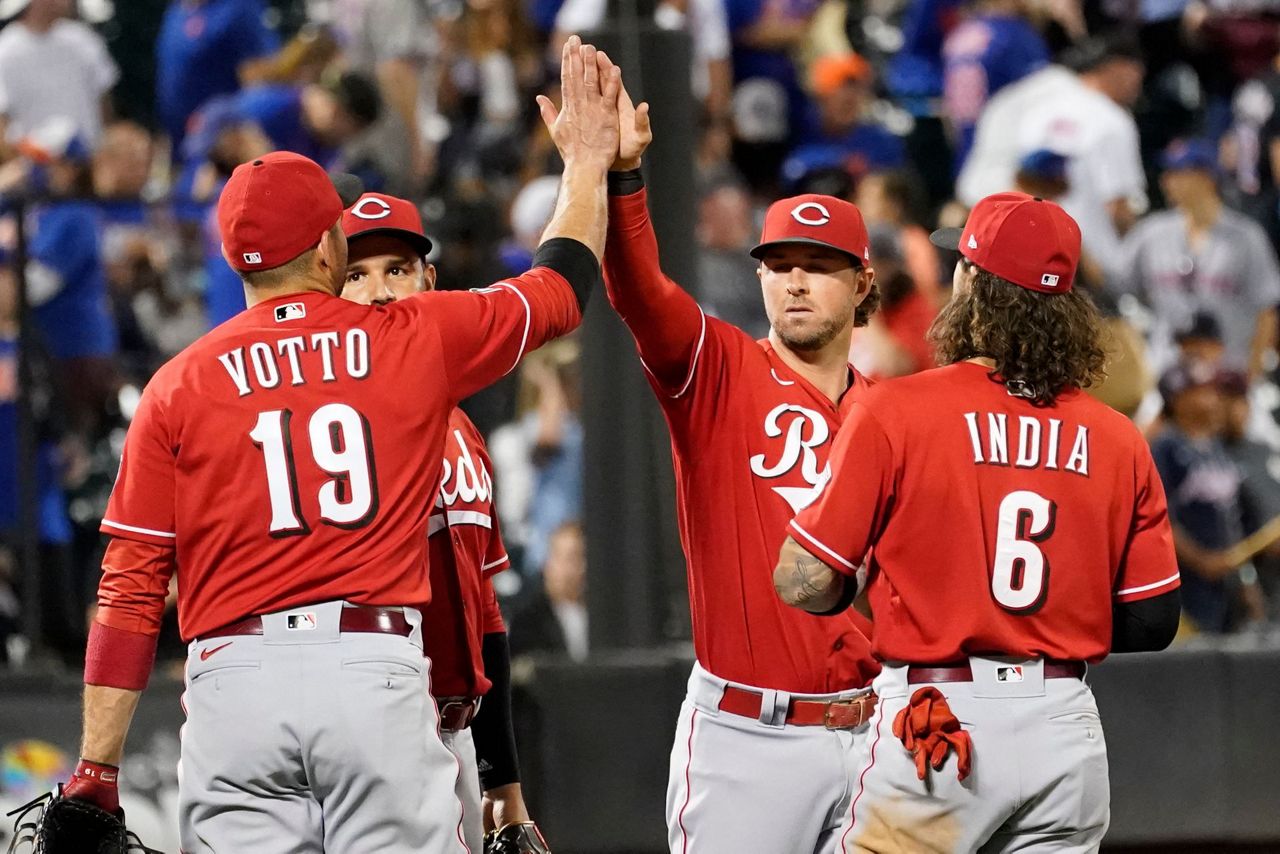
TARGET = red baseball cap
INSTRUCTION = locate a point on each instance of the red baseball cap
(278, 206)
(816, 220)
(1028, 241)
(375, 213)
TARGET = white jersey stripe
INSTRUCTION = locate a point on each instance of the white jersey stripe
(1146, 587)
(815, 543)
(124, 527)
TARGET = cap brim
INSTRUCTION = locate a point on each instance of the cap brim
(758, 250)
(947, 238)
(420, 242)
(349, 187)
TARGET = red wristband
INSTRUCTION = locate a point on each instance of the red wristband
(96, 783)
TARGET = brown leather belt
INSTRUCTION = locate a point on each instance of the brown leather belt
(961, 672)
(457, 713)
(360, 618)
(832, 714)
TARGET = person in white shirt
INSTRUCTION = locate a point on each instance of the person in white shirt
(1084, 116)
(53, 68)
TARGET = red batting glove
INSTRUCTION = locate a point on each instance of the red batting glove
(929, 730)
(95, 783)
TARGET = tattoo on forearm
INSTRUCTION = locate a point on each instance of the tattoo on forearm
(803, 587)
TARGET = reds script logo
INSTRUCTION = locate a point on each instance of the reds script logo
(805, 431)
(465, 484)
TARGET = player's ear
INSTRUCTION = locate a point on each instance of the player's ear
(428, 276)
(864, 278)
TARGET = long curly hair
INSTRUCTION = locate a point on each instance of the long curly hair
(1042, 344)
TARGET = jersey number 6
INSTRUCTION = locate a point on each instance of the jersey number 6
(1020, 575)
(341, 446)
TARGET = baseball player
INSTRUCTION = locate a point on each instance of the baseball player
(777, 698)
(285, 465)
(1017, 530)
(462, 629)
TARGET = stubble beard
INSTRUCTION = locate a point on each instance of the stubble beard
(812, 340)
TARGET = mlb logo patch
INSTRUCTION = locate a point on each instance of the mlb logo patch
(1049, 280)
(290, 311)
(253, 257)
(1009, 674)
(304, 622)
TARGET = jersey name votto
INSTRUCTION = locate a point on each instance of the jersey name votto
(1027, 442)
(298, 359)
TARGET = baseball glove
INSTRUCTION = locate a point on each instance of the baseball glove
(521, 837)
(69, 826)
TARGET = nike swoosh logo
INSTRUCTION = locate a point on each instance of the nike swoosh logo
(206, 653)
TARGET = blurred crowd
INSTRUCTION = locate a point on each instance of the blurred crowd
(1154, 122)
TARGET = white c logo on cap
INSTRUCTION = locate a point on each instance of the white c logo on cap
(383, 209)
(798, 214)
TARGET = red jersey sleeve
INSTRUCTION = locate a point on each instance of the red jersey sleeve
(135, 582)
(1149, 566)
(493, 623)
(485, 333)
(845, 520)
(667, 323)
(142, 503)
(495, 555)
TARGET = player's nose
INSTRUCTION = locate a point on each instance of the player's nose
(796, 281)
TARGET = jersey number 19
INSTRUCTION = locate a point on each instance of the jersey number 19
(341, 446)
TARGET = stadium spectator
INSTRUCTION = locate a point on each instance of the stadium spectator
(1259, 467)
(316, 119)
(837, 131)
(1202, 485)
(53, 68)
(66, 283)
(538, 458)
(1083, 115)
(726, 273)
(553, 617)
(1251, 151)
(207, 48)
(993, 47)
(894, 344)
(398, 44)
(894, 199)
(1202, 257)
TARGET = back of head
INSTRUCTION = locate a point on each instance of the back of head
(1019, 307)
(273, 213)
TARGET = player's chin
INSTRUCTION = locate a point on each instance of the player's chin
(804, 332)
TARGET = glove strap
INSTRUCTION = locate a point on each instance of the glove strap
(97, 783)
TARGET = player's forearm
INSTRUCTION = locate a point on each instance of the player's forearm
(107, 715)
(581, 212)
(493, 729)
(803, 581)
(663, 317)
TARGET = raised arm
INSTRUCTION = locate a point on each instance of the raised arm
(666, 321)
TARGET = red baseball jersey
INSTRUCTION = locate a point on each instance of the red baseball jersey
(750, 438)
(466, 549)
(995, 526)
(292, 454)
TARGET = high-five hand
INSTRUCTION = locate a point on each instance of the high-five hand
(635, 134)
(585, 129)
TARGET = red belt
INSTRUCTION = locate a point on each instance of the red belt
(962, 673)
(457, 713)
(832, 714)
(360, 618)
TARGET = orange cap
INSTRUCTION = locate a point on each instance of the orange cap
(830, 72)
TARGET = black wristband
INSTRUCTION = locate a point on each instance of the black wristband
(492, 728)
(847, 594)
(574, 261)
(626, 183)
